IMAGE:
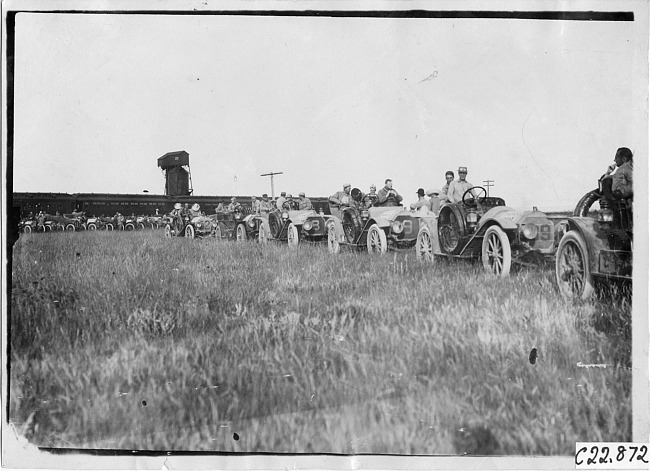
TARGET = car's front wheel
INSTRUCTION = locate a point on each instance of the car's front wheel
(333, 245)
(263, 235)
(189, 232)
(376, 241)
(69, 228)
(292, 235)
(92, 227)
(241, 233)
(496, 253)
(424, 246)
(572, 267)
(27, 229)
(168, 231)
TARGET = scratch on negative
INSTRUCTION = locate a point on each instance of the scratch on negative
(531, 154)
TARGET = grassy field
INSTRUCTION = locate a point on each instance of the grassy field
(128, 340)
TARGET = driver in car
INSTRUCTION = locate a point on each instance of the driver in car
(387, 196)
(342, 198)
(458, 187)
(234, 205)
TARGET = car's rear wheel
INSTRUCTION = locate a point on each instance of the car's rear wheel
(376, 241)
(189, 232)
(92, 227)
(129, 227)
(496, 253)
(424, 246)
(333, 245)
(349, 227)
(168, 231)
(27, 229)
(241, 233)
(572, 267)
(217, 232)
(69, 228)
(109, 227)
(292, 235)
(141, 226)
(263, 235)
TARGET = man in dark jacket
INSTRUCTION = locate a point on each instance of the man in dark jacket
(387, 196)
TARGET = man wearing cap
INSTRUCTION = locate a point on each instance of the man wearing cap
(387, 196)
(264, 206)
(342, 198)
(280, 201)
(254, 205)
(234, 205)
(303, 201)
(370, 199)
(434, 200)
(421, 205)
(458, 187)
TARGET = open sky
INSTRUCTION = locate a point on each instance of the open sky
(540, 107)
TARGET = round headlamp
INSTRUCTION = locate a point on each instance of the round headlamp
(251, 223)
(365, 214)
(530, 231)
(472, 217)
(397, 227)
(605, 215)
(307, 225)
(237, 215)
(285, 215)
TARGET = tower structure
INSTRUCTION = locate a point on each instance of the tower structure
(178, 177)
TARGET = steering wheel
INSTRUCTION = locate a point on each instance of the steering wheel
(468, 197)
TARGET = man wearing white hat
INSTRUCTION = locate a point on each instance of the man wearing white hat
(195, 210)
(434, 200)
(458, 187)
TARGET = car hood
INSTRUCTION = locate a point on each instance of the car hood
(388, 213)
(509, 215)
(299, 216)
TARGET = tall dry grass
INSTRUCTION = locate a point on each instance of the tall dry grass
(128, 340)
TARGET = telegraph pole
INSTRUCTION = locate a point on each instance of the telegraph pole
(488, 184)
(271, 175)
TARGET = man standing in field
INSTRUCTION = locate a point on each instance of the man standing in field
(303, 201)
(421, 205)
(387, 196)
(458, 188)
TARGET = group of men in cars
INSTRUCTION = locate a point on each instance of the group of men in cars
(387, 196)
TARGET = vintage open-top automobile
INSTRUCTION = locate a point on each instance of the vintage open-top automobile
(231, 225)
(595, 244)
(484, 227)
(198, 226)
(284, 226)
(376, 228)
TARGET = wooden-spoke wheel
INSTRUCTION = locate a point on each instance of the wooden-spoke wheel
(572, 267)
(333, 245)
(424, 246)
(189, 232)
(292, 235)
(376, 240)
(496, 253)
(241, 233)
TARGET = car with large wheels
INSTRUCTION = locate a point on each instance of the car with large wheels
(376, 229)
(231, 225)
(191, 228)
(27, 226)
(284, 226)
(595, 245)
(484, 228)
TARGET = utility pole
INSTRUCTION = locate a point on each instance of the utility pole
(488, 184)
(271, 175)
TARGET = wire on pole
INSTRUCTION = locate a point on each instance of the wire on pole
(271, 175)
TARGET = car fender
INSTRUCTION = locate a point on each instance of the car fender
(384, 215)
(504, 216)
(338, 227)
(594, 239)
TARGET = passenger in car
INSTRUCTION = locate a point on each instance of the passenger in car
(387, 196)
(422, 204)
(304, 202)
(434, 201)
(458, 187)
(449, 177)
(370, 199)
(195, 211)
(280, 201)
(234, 205)
(622, 179)
(342, 198)
(265, 205)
